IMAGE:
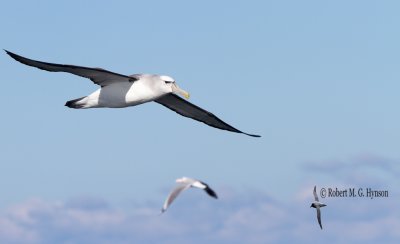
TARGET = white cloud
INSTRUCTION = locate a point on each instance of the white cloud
(364, 170)
(12, 232)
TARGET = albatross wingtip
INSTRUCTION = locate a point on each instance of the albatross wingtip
(252, 135)
(8, 52)
(11, 54)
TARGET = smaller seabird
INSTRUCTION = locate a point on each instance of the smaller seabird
(183, 184)
(317, 205)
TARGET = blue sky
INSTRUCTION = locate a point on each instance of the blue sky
(318, 81)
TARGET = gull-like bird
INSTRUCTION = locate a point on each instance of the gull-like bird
(317, 205)
(118, 91)
(185, 183)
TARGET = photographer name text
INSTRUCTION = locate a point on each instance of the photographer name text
(354, 192)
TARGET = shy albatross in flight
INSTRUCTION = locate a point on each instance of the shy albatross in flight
(317, 205)
(118, 91)
(185, 183)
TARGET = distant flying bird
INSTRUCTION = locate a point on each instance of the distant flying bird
(118, 91)
(317, 205)
(185, 183)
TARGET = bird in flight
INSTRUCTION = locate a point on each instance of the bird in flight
(317, 205)
(185, 183)
(118, 91)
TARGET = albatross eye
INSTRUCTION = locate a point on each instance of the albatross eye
(166, 79)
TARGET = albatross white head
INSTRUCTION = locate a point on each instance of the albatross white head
(182, 180)
(173, 87)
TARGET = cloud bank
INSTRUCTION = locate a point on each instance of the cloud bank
(237, 217)
(250, 217)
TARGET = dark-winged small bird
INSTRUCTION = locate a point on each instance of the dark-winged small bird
(118, 91)
(185, 183)
(317, 205)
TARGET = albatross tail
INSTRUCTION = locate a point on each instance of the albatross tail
(76, 103)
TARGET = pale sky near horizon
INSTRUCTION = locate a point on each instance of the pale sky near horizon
(318, 81)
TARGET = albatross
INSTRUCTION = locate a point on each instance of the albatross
(118, 91)
(317, 205)
(185, 183)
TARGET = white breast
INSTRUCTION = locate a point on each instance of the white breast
(126, 94)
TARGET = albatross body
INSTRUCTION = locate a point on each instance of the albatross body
(185, 183)
(146, 88)
(118, 91)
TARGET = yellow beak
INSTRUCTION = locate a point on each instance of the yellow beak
(176, 89)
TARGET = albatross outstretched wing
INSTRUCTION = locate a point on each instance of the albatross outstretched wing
(192, 111)
(99, 76)
(210, 191)
(174, 194)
